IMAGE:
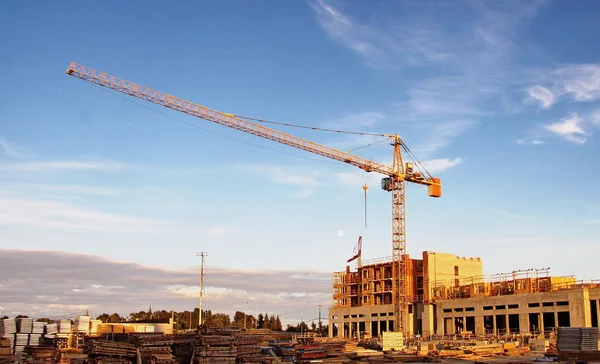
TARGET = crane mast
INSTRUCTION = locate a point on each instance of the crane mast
(395, 182)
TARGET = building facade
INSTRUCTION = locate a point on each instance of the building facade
(362, 299)
(449, 295)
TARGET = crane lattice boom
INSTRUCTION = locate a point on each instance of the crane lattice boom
(395, 182)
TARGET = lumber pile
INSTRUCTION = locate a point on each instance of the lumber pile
(577, 338)
(40, 354)
(157, 355)
(5, 350)
(98, 348)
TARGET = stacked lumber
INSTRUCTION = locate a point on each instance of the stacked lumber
(5, 349)
(40, 355)
(216, 348)
(150, 339)
(577, 338)
(248, 350)
(157, 355)
(24, 325)
(38, 327)
(96, 348)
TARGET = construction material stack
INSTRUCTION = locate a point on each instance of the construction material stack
(578, 338)
(40, 355)
(215, 345)
(8, 329)
(158, 348)
(103, 351)
(5, 350)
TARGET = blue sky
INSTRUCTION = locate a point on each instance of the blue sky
(499, 99)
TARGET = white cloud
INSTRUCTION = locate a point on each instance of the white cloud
(530, 141)
(356, 122)
(303, 193)
(512, 215)
(351, 34)
(76, 189)
(569, 129)
(545, 97)
(579, 81)
(219, 230)
(441, 164)
(43, 214)
(281, 175)
(591, 222)
(442, 134)
(9, 149)
(35, 283)
(51, 166)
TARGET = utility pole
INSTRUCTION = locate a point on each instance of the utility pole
(320, 325)
(246, 309)
(202, 255)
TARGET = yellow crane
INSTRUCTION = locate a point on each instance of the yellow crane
(395, 181)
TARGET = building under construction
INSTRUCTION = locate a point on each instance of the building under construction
(449, 295)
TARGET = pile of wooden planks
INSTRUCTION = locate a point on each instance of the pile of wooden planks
(40, 354)
(157, 355)
(97, 348)
(5, 350)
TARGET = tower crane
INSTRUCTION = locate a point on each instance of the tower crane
(397, 175)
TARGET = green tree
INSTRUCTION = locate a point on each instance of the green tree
(46, 320)
(261, 321)
(278, 326)
(266, 323)
(104, 317)
(238, 319)
(115, 318)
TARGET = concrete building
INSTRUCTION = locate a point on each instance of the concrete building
(450, 295)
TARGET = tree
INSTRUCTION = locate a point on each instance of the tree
(46, 320)
(104, 317)
(313, 326)
(238, 319)
(218, 320)
(114, 318)
(261, 321)
(22, 316)
(266, 323)
(278, 326)
(4, 317)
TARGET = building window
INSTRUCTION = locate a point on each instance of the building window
(456, 270)
(562, 303)
(513, 306)
(533, 304)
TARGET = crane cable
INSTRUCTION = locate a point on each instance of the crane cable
(312, 127)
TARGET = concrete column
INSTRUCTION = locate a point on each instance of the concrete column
(524, 323)
(330, 328)
(350, 328)
(555, 317)
(479, 327)
(598, 312)
(494, 321)
(507, 324)
(541, 320)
